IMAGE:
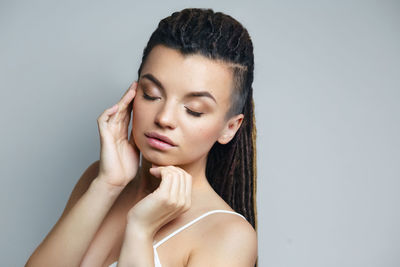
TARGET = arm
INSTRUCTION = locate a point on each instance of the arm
(137, 249)
(168, 201)
(72, 234)
(95, 192)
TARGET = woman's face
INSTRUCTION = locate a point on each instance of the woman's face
(184, 99)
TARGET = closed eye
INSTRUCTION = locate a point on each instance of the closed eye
(194, 113)
(146, 96)
(191, 112)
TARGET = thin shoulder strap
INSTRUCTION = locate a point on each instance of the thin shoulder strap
(192, 222)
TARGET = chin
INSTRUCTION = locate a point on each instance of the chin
(160, 160)
(158, 157)
(165, 159)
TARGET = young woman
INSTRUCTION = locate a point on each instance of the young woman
(180, 191)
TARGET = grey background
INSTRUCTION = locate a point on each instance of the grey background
(327, 80)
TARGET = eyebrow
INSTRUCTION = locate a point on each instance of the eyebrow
(151, 77)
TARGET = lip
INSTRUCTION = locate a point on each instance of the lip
(161, 137)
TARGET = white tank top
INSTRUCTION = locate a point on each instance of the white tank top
(157, 262)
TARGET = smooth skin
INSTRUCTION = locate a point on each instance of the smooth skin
(118, 208)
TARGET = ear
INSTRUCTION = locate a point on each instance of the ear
(230, 129)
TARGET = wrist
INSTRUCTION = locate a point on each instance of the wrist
(136, 247)
(138, 231)
(101, 187)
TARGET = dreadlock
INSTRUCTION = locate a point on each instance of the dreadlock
(231, 168)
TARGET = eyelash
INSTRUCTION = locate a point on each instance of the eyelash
(191, 112)
(146, 96)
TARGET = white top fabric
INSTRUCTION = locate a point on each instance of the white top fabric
(157, 262)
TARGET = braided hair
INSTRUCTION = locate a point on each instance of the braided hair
(231, 168)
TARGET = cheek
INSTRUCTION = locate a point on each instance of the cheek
(138, 116)
(205, 134)
(137, 120)
(135, 112)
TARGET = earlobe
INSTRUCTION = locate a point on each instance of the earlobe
(231, 127)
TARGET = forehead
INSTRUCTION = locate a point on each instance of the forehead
(189, 73)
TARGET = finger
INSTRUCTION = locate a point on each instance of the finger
(182, 192)
(182, 180)
(175, 186)
(126, 99)
(133, 86)
(188, 188)
(128, 96)
(103, 118)
(156, 171)
(165, 184)
(182, 186)
(124, 107)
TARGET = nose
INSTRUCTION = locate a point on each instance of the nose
(165, 117)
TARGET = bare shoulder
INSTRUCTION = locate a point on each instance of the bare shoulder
(229, 241)
(82, 185)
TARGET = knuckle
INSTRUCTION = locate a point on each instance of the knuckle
(171, 168)
(180, 172)
(163, 171)
(172, 203)
(164, 198)
(166, 175)
(169, 203)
